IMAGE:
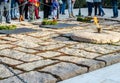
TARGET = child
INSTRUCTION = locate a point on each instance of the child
(55, 6)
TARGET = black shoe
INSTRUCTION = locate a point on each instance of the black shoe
(114, 16)
(26, 17)
(103, 14)
(8, 22)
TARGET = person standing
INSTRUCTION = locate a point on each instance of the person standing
(70, 7)
(47, 8)
(55, 6)
(37, 4)
(63, 7)
(101, 11)
(96, 6)
(26, 10)
(14, 4)
(115, 8)
(90, 6)
(5, 8)
(21, 4)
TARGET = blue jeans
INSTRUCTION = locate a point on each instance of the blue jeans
(70, 7)
(63, 7)
(13, 9)
(101, 11)
(90, 5)
(5, 8)
(115, 8)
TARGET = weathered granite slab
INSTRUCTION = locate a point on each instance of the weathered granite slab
(19, 55)
(94, 37)
(65, 70)
(10, 61)
(78, 52)
(49, 54)
(92, 64)
(5, 72)
(31, 77)
(36, 64)
(97, 48)
(110, 59)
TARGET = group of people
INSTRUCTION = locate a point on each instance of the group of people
(29, 9)
(98, 7)
(55, 7)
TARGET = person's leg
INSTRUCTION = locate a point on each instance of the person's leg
(89, 4)
(63, 7)
(95, 7)
(72, 7)
(115, 9)
(101, 11)
(36, 13)
(60, 8)
(46, 12)
(26, 11)
(7, 9)
(31, 13)
(69, 8)
(1, 11)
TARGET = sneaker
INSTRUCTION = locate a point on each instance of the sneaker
(114, 16)
(102, 15)
(8, 22)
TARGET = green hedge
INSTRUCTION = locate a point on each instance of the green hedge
(7, 27)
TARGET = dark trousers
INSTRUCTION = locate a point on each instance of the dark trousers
(96, 6)
(26, 11)
(46, 11)
(21, 8)
(115, 8)
(90, 5)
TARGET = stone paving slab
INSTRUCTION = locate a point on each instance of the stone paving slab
(4, 71)
(10, 61)
(91, 64)
(31, 77)
(79, 53)
(110, 59)
(49, 54)
(36, 64)
(65, 70)
(97, 48)
(94, 37)
(19, 55)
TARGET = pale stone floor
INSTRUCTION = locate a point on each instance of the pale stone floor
(50, 56)
(110, 74)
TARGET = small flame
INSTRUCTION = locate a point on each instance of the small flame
(96, 22)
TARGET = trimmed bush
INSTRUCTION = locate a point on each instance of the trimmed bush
(49, 22)
(7, 27)
(84, 19)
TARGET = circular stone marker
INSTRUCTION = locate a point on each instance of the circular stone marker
(94, 37)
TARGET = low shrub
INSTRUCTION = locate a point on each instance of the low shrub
(7, 27)
(84, 19)
(49, 22)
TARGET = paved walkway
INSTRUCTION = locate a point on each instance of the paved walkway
(110, 74)
(50, 56)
